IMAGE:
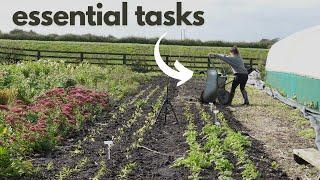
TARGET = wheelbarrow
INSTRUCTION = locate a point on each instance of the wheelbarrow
(215, 89)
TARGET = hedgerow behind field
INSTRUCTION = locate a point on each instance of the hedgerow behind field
(41, 103)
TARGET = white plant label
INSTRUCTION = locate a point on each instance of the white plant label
(109, 143)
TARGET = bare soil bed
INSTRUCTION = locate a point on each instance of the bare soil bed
(146, 148)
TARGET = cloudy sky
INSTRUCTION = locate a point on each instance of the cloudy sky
(230, 20)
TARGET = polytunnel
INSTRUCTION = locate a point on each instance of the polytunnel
(293, 67)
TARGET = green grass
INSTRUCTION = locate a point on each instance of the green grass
(129, 48)
(271, 108)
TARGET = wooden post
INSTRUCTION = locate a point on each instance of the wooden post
(124, 59)
(194, 62)
(167, 60)
(38, 55)
(251, 63)
(208, 62)
(81, 56)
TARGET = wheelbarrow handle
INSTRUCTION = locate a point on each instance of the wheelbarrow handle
(213, 64)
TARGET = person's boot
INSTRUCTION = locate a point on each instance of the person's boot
(245, 97)
(230, 98)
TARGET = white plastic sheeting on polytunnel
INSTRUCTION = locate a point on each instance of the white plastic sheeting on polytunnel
(298, 54)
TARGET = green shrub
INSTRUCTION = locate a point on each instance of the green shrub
(33, 78)
(262, 70)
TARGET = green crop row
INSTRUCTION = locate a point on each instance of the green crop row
(196, 159)
(149, 122)
(236, 143)
(138, 136)
(139, 104)
(218, 140)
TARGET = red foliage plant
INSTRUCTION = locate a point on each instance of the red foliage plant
(63, 109)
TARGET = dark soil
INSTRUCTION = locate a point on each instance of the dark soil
(167, 139)
(161, 146)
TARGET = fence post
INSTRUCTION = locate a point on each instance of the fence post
(194, 62)
(124, 59)
(167, 60)
(208, 62)
(251, 63)
(38, 55)
(81, 56)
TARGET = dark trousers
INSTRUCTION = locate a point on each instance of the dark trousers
(240, 79)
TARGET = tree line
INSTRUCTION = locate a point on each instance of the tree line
(18, 34)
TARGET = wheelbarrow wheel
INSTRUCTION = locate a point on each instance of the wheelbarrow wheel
(223, 96)
(203, 101)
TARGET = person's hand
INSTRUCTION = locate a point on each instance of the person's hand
(213, 55)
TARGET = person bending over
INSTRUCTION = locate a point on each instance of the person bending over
(239, 70)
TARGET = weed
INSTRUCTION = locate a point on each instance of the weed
(101, 171)
(125, 171)
(50, 166)
(274, 165)
(67, 171)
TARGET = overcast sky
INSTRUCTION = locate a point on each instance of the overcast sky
(230, 20)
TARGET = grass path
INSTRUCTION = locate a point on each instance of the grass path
(280, 127)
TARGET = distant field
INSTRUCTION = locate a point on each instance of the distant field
(129, 48)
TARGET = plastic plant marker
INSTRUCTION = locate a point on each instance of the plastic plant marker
(211, 107)
(109, 143)
(216, 122)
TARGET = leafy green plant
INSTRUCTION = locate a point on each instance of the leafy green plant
(16, 166)
(125, 171)
(196, 159)
(262, 70)
(67, 171)
(250, 172)
(68, 83)
(274, 165)
(101, 171)
(50, 166)
(224, 166)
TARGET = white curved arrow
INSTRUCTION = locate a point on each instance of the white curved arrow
(183, 74)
